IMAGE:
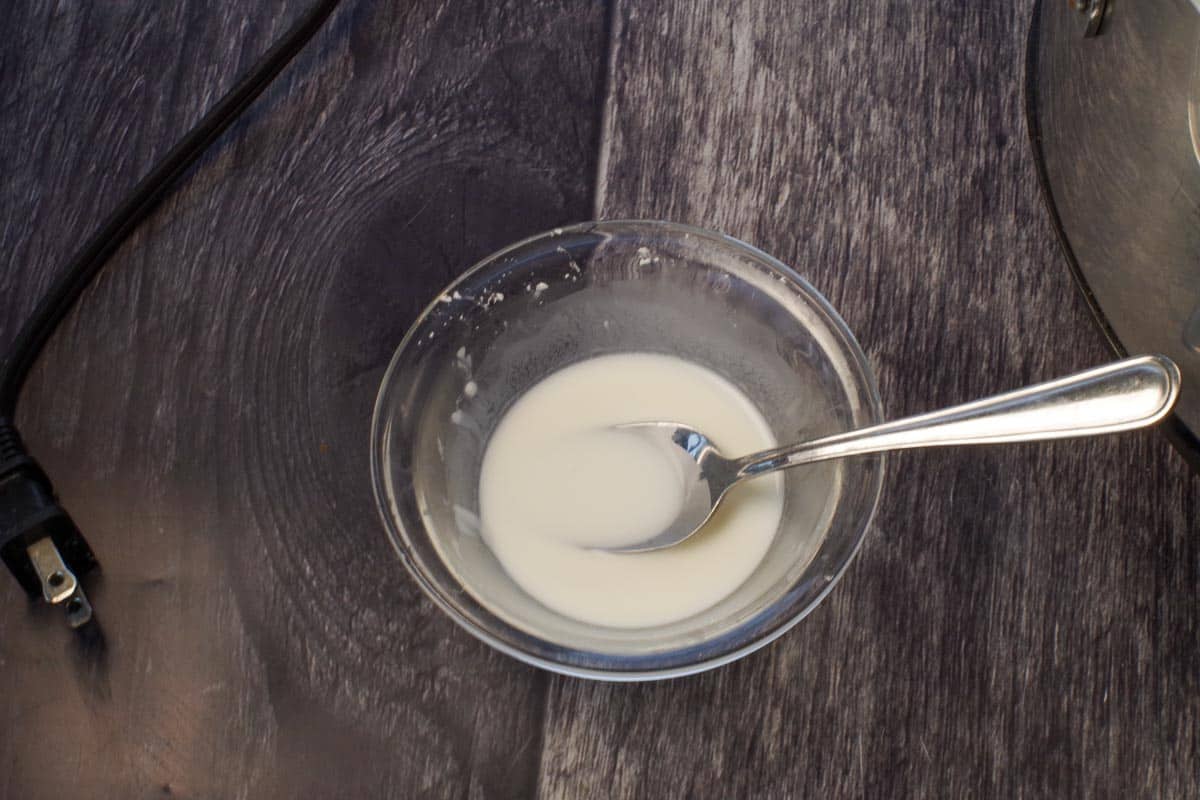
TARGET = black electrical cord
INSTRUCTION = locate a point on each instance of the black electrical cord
(38, 542)
(144, 198)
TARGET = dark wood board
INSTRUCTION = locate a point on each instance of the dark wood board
(262, 640)
(1022, 621)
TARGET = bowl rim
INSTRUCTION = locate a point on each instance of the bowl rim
(398, 535)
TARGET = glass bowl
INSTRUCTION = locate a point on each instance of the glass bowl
(611, 287)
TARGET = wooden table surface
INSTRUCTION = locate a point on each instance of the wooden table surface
(1021, 622)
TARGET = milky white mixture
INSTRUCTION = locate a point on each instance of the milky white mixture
(556, 482)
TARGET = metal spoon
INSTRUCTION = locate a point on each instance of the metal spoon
(1121, 396)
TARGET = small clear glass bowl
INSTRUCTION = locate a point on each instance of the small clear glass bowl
(612, 287)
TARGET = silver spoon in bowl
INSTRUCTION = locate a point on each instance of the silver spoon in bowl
(1127, 394)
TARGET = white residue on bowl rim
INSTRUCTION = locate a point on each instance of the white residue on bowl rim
(645, 258)
(491, 299)
(462, 360)
(571, 262)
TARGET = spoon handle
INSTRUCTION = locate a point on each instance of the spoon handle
(1121, 396)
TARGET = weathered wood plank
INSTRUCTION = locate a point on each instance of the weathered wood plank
(1020, 623)
(205, 411)
(1022, 620)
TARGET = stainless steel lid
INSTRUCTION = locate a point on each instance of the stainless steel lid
(1112, 94)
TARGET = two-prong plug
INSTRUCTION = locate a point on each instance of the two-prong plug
(39, 542)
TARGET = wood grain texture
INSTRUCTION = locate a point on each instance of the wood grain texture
(211, 434)
(1022, 621)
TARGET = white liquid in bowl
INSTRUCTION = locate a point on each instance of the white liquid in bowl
(556, 482)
